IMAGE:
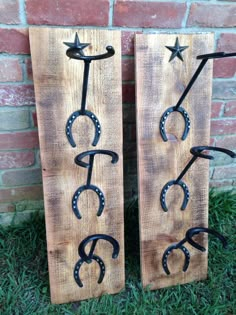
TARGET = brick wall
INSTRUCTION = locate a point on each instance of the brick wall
(20, 173)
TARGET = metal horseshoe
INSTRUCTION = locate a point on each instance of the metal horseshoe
(188, 238)
(91, 256)
(88, 186)
(167, 253)
(196, 230)
(197, 153)
(177, 107)
(75, 51)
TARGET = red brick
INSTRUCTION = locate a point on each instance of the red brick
(224, 90)
(223, 172)
(22, 177)
(223, 127)
(127, 42)
(228, 142)
(148, 14)
(128, 93)
(10, 70)
(34, 118)
(221, 183)
(14, 41)
(7, 207)
(216, 108)
(211, 15)
(128, 69)
(9, 12)
(29, 71)
(224, 68)
(17, 95)
(21, 193)
(70, 12)
(227, 42)
(230, 109)
(16, 159)
(19, 140)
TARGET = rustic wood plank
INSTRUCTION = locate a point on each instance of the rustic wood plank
(58, 88)
(159, 84)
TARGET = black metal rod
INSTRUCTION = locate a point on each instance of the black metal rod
(186, 168)
(191, 82)
(85, 85)
(90, 169)
(92, 248)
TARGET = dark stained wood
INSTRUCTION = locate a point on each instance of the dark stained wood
(159, 84)
(58, 88)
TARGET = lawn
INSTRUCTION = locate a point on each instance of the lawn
(24, 287)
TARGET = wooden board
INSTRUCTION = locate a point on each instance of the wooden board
(58, 88)
(159, 84)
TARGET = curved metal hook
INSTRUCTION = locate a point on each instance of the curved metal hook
(77, 194)
(196, 230)
(197, 151)
(75, 53)
(94, 238)
(165, 189)
(164, 117)
(90, 115)
(167, 253)
(79, 264)
(79, 157)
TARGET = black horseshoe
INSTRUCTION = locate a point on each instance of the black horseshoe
(79, 264)
(165, 189)
(164, 117)
(197, 153)
(204, 59)
(77, 194)
(188, 238)
(94, 238)
(76, 52)
(91, 256)
(196, 230)
(72, 118)
(167, 253)
(88, 186)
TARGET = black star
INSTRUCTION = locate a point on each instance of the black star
(176, 50)
(77, 44)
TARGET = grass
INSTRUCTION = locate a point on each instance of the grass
(24, 287)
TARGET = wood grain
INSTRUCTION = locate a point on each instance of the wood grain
(159, 84)
(58, 89)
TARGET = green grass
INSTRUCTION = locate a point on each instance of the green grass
(24, 287)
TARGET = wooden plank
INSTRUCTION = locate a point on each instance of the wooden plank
(159, 85)
(58, 88)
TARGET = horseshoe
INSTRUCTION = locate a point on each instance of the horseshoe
(197, 153)
(91, 256)
(79, 161)
(167, 253)
(75, 51)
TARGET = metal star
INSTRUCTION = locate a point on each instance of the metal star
(176, 50)
(77, 44)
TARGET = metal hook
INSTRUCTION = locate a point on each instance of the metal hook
(177, 107)
(76, 52)
(196, 152)
(79, 161)
(196, 230)
(188, 238)
(91, 256)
